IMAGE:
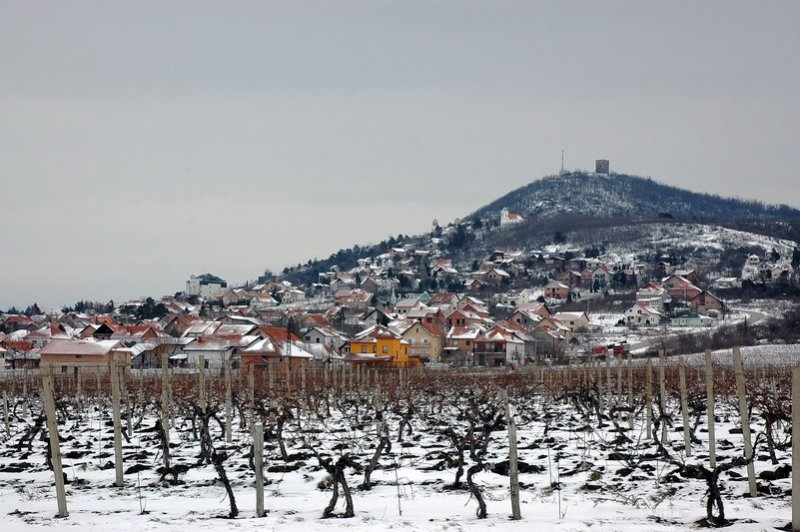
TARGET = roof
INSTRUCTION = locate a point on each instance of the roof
(375, 332)
(207, 278)
(569, 316)
(79, 347)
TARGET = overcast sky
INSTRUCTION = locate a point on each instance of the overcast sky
(141, 142)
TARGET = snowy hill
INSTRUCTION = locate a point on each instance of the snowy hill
(590, 194)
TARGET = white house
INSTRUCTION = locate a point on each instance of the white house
(205, 285)
(574, 320)
(263, 301)
(509, 218)
(645, 315)
(692, 320)
(751, 268)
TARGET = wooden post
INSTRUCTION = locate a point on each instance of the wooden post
(228, 402)
(795, 449)
(271, 370)
(609, 403)
(114, 376)
(743, 412)
(513, 474)
(98, 391)
(201, 382)
(79, 383)
(649, 400)
(55, 446)
(25, 391)
(662, 400)
(687, 439)
(5, 414)
(165, 395)
(288, 374)
(712, 439)
(251, 385)
(258, 462)
(127, 393)
(630, 393)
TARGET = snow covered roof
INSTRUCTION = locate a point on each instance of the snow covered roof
(79, 347)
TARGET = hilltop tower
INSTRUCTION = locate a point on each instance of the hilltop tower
(601, 166)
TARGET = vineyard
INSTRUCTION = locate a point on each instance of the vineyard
(611, 445)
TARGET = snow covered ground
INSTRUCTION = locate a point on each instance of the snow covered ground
(605, 483)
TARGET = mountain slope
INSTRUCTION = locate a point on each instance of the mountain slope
(590, 194)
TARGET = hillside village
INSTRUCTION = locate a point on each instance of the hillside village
(412, 305)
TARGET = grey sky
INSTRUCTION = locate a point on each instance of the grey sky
(141, 142)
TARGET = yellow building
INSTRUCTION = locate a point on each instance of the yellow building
(425, 340)
(379, 346)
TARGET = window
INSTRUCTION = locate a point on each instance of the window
(386, 349)
(363, 349)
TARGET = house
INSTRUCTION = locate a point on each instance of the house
(263, 301)
(586, 277)
(556, 291)
(554, 326)
(215, 349)
(380, 346)
(653, 296)
(722, 283)
(781, 272)
(496, 276)
(465, 317)
(446, 301)
(205, 285)
(521, 297)
(429, 315)
(503, 345)
(474, 285)
(692, 320)
(40, 337)
(571, 278)
(689, 275)
(751, 270)
(509, 218)
(556, 262)
(269, 352)
(705, 301)
(644, 315)
(325, 336)
(601, 277)
(469, 301)
(462, 338)
(64, 356)
(526, 318)
(680, 288)
(539, 308)
(356, 299)
(425, 341)
(575, 321)
(375, 317)
(290, 295)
